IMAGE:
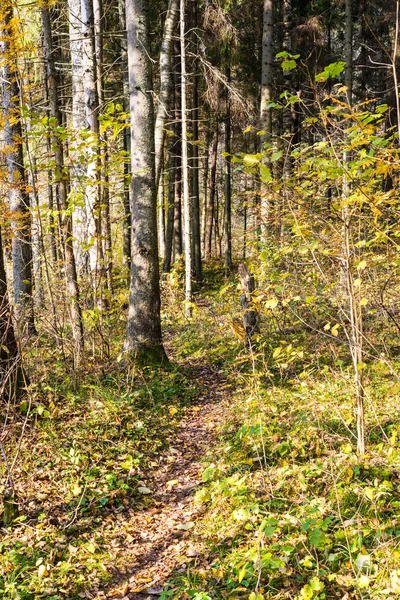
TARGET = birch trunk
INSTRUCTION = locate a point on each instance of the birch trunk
(165, 84)
(143, 338)
(185, 170)
(78, 124)
(126, 139)
(265, 112)
(92, 124)
(196, 227)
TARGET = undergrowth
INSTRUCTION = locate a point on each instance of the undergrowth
(289, 511)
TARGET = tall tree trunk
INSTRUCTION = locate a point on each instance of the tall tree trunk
(185, 169)
(165, 84)
(211, 201)
(195, 200)
(171, 208)
(228, 180)
(205, 191)
(79, 124)
(265, 112)
(61, 177)
(103, 190)
(178, 243)
(127, 232)
(348, 76)
(17, 184)
(92, 154)
(143, 337)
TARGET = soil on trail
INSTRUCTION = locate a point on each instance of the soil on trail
(153, 543)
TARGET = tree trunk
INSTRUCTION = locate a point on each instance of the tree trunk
(61, 177)
(211, 201)
(265, 112)
(170, 211)
(127, 232)
(165, 84)
(104, 227)
(348, 76)
(228, 180)
(78, 124)
(11, 376)
(92, 151)
(17, 184)
(143, 338)
(185, 169)
(195, 199)
(178, 244)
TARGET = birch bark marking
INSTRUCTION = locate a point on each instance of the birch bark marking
(185, 170)
(143, 337)
(92, 124)
(17, 185)
(78, 123)
(265, 112)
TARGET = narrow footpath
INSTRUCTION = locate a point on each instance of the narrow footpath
(158, 542)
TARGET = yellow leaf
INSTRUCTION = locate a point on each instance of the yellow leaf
(172, 410)
(42, 571)
(271, 303)
(362, 265)
(363, 301)
(363, 581)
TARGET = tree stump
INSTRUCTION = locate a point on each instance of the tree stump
(250, 316)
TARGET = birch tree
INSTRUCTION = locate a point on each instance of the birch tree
(266, 97)
(78, 124)
(185, 169)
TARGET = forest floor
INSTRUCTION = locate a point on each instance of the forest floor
(233, 475)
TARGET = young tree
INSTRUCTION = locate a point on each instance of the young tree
(143, 338)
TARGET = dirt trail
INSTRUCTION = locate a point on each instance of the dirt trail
(157, 541)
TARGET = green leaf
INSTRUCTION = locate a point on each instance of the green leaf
(331, 71)
(265, 173)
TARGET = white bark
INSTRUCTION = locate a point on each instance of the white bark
(78, 123)
(185, 170)
(92, 124)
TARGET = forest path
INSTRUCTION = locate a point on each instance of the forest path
(155, 542)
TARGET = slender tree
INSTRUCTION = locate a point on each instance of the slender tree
(185, 167)
(265, 111)
(143, 339)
